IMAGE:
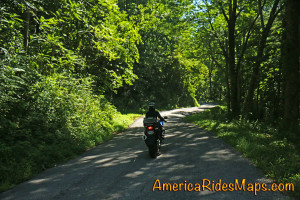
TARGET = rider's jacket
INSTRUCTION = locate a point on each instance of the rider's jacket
(153, 113)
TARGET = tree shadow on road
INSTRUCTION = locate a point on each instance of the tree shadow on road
(123, 169)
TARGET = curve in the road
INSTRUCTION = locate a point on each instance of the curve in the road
(122, 168)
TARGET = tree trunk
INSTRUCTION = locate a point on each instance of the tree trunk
(259, 58)
(227, 89)
(210, 84)
(26, 29)
(291, 67)
(232, 66)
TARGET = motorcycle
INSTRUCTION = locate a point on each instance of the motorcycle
(152, 136)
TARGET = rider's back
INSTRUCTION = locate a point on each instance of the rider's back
(152, 113)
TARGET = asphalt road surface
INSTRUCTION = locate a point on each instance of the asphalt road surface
(122, 168)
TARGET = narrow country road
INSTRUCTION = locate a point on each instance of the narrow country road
(122, 168)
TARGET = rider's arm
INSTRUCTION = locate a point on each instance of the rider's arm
(160, 117)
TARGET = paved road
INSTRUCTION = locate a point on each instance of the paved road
(123, 169)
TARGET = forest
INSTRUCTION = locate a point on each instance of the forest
(72, 71)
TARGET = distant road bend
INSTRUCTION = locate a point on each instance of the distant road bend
(122, 168)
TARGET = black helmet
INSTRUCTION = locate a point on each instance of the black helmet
(152, 104)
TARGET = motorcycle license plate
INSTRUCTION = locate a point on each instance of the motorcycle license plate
(150, 132)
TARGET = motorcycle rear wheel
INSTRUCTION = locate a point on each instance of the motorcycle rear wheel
(152, 152)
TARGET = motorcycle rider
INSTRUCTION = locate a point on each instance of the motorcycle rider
(155, 114)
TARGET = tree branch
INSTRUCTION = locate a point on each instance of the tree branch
(247, 39)
(223, 11)
(260, 8)
(219, 41)
(217, 63)
(240, 12)
(280, 9)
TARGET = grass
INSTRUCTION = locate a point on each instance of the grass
(276, 156)
(122, 121)
(59, 153)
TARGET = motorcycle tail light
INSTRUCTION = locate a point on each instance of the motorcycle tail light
(150, 127)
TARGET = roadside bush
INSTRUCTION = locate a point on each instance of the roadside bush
(47, 122)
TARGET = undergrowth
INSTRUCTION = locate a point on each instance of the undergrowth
(261, 143)
(50, 121)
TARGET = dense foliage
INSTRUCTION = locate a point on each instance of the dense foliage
(164, 73)
(57, 60)
(49, 121)
(67, 67)
(245, 45)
